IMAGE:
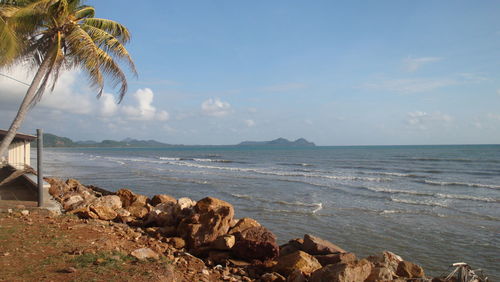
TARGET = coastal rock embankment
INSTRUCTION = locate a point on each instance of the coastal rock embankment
(209, 230)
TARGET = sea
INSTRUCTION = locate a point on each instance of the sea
(432, 205)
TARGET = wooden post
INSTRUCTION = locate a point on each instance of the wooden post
(39, 164)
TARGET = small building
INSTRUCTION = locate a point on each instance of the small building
(19, 150)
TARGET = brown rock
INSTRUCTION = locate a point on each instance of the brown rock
(296, 276)
(111, 201)
(343, 272)
(177, 242)
(168, 231)
(71, 202)
(164, 214)
(84, 212)
(162, 198)
(386, 260)
(380, 274)
(104, 212)
(409, 270)
(129, 198)
(297, 260)
(335, 258)
(243, 224)
(144, 253)
(72, 183)
(211, 219)
(138, 211)
(224, 242)
(219, 257)
(317, 246)
(256, 243)
(272, 277)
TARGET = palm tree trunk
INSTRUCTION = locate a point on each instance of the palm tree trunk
(25, 105)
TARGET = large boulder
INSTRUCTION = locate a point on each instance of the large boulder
(243, 224)
(343, 272)
(385, 263)
(297, 260)
(71, 202)
(316, 246)
(256, 243)
(104, 212)
(409, 270)
(162, 198)
(112, 201)
(164, 214)
(129, 198)
(211, 219)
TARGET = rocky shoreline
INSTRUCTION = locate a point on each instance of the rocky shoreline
(229, 249)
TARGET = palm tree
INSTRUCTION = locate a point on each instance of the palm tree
(53, 35)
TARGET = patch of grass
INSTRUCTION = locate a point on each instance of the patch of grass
(7, 232)
(101, 260)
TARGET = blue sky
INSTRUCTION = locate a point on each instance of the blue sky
(336, 73)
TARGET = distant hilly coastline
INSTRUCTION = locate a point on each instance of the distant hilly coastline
(51, 140)
(301, 142)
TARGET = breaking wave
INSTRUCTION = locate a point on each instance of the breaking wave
(477, 185)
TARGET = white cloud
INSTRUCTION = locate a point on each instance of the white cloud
(415, 85)
(250, 122)
(215, 107)
(144, 110)
(423, 120)
(283, 87)
(63, 98)
(413, 64)
(108, 105)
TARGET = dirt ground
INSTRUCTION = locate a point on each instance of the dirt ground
(40, 246)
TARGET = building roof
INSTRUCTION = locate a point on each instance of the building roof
(19, 136)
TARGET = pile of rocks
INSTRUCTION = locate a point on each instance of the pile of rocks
(207, 229)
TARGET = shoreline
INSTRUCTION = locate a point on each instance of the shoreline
(192, 226)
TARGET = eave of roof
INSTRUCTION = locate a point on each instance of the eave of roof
(18, 136)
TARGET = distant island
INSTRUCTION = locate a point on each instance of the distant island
(51, 140)
(301, 142)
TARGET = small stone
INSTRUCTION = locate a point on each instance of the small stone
(205, 272)
(69, 270)
(144, 253)
(297, 260)
(316, 246)
(9, 210)
(25, 212)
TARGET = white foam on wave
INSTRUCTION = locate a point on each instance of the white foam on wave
(421, 203)
(319, 206)
(396, 191)
(428, 194)
(466, 197)
(477, 185)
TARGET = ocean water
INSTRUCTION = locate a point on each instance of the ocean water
(433, 205)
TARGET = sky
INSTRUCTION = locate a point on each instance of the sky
(334, 72)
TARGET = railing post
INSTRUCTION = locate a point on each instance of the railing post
(39, 165)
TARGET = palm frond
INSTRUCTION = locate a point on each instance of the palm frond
(114, 28)
(109, 43)
(85, 12)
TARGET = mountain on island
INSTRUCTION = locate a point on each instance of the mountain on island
(301, 142)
